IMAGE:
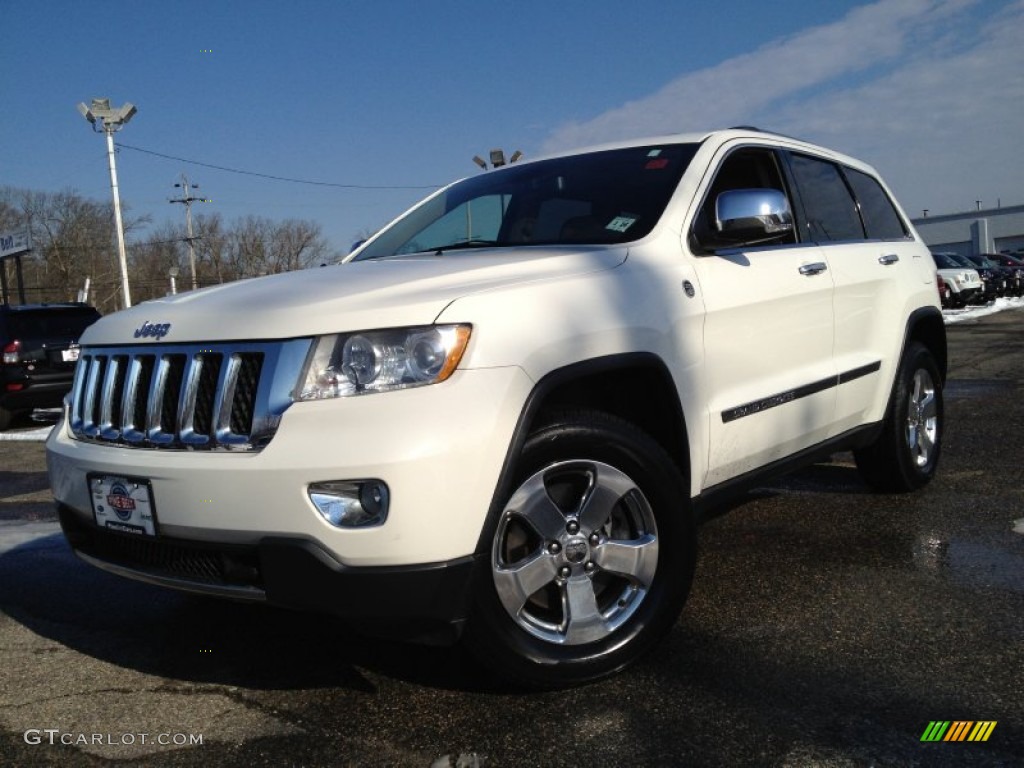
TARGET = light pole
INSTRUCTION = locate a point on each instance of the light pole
(112, 120)
(187, 200)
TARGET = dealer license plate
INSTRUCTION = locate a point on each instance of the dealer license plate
(123, 504)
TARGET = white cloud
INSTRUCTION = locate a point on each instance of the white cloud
(930, 91)
(944, 126)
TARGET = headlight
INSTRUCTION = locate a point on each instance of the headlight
(376, 361)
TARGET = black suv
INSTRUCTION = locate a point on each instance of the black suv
(38, 351)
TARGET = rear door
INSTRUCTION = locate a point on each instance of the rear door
(877, 268)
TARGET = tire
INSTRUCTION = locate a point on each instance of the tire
(6, 418)
(906, 454)
(591, 558)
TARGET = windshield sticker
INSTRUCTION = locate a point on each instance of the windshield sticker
(654, 153)
(621, 223)
(656, 163)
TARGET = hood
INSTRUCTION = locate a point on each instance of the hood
(393, 292)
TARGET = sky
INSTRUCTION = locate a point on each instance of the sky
(381, 102)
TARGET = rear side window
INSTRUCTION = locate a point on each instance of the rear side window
(880, 216)
(831, 210)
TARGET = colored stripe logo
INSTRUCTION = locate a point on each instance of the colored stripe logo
(958, 730)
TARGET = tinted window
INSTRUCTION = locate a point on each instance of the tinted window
(50, 324)
(943, 261)
(613, 196)
(880, 216)
(961, 260)
(831, 211)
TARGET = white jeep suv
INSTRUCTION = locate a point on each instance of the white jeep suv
(501, 418)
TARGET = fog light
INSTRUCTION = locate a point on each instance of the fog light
(351, 504)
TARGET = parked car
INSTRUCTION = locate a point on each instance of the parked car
(504, 415)
(945, 293)
(992, 281)
(963, 284)
(39, 350)
(1001, 276)
(1015, 268)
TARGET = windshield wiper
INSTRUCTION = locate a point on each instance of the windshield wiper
(462, 244)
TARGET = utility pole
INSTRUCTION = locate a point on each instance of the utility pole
(112, 120)
(186, 199)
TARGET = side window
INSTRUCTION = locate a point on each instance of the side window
(831, 211)
(880, 217)
(747, 168)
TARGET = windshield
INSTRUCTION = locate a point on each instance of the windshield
(961, 261)
(944, 261)
(613, 196)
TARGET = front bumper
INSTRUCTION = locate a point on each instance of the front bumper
(427, 603)
(439, 448)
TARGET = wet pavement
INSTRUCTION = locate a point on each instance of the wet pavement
(827, 626)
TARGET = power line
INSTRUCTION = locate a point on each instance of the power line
(275, 178)
(97, 245)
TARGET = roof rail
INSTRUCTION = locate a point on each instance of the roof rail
(763, 130)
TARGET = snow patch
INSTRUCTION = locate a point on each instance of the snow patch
(952, 316)
(28, 435)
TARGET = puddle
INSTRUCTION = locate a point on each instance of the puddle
(971, 562)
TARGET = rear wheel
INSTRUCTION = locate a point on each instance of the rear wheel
(6, 418)
(906, 454)
(591, 558)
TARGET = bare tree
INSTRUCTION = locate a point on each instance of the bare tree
(73, 239)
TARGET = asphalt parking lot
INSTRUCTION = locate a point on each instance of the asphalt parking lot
(827, 626)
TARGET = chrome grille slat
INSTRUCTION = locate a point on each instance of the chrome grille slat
(187, 402)
(155, 404)
(225, 393)
(184, 397)
(77, 387)
(129, 430)
(110, 380)
(89, 427)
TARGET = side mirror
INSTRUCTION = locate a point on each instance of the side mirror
(751, 217)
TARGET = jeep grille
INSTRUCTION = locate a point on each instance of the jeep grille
(226, 397)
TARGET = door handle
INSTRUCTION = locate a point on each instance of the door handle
(889, 258)
(813, 269)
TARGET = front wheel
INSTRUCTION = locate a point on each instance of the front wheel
(591, 558)
(906, 453)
